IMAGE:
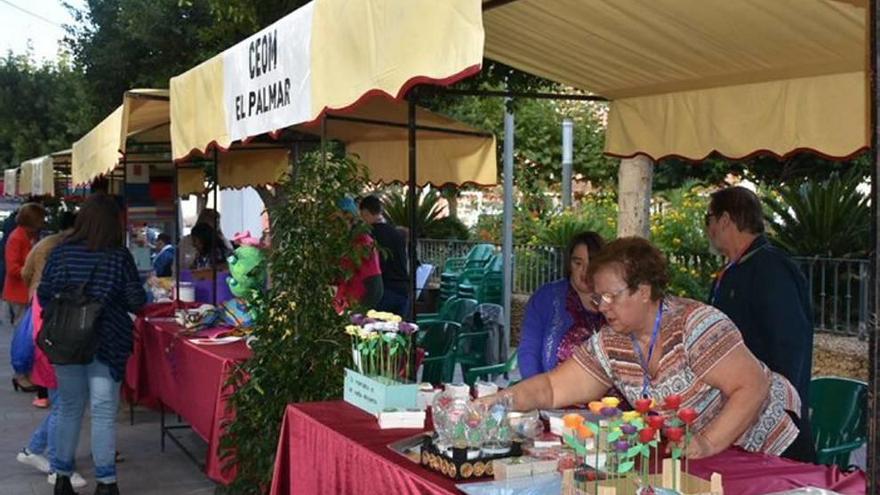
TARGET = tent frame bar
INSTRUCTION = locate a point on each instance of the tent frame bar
(386, 123)
(521, 94)
(494, 4)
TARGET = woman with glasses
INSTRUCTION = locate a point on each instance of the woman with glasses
(659, 345)
(559, 316)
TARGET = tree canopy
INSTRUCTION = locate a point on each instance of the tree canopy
(41, 108)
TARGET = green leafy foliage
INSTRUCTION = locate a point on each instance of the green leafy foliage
(428, 212)
(448, 228)
(828, 218)
(41, 108)
(301, 348)
(677, 229)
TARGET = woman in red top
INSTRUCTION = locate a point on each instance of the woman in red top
(30, 220)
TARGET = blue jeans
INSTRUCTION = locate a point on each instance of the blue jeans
(78, 383)
(43, 439)
(394, 302)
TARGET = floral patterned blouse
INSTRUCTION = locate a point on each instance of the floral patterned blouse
(694, 337)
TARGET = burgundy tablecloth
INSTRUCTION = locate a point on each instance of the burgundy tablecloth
(187, 378)
(335, 448)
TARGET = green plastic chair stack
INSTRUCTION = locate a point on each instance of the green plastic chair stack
(491, 290)
(455, 269)
(838, 414)
(437, 338)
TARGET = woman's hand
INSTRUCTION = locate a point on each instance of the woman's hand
(700, 447)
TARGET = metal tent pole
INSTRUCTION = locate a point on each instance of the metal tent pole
(567, 152)
(411, 203)
(177, 253)
(507, 241)
(216, 230)
(873, 451)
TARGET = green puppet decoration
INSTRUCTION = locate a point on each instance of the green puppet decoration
(246, 281)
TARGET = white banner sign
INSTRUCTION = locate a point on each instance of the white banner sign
(266, 78)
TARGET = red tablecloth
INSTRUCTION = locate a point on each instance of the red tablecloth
(187, 378)
(335, 448)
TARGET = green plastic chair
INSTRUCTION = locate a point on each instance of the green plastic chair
(455, 310)
(838, 414)
(491, 371)
(440, 368)
(444, 314)
(437, 339)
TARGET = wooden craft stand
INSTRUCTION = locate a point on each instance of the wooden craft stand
(687, 483)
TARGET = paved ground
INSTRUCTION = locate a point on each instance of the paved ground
(145, 471)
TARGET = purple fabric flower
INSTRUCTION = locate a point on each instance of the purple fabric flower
(406, 328)
(610, 412)
(622, 446)
(628, 429)
(357, 319)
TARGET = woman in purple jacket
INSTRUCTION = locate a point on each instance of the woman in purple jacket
(559, 316)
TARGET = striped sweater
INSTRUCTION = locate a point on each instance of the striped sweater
(115, 283)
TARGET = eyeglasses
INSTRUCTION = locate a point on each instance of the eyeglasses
(606, 297)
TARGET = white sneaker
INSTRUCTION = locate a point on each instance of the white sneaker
(76, 480)
(35, 460)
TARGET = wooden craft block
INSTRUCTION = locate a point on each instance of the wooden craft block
(687, 484)
(512, 467)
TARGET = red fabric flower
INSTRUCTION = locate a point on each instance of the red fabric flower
(643, 405)
(646, 434)
(673, 402)
(688, 415)
(674, 433)
(656, 422)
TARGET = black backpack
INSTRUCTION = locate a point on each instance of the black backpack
(70, 334)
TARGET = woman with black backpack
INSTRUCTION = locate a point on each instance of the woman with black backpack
(90, 285)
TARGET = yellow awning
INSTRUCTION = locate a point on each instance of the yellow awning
(689, 77)
(466, 156)
(332, 55)
(98, 152)
(10, 182)
(237, 169)
(25, 177)
(38, 177)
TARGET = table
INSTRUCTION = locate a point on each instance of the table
(168, 371)
(333, 447)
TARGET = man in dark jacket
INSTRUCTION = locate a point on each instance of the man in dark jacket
(392, 257)
(765, 294)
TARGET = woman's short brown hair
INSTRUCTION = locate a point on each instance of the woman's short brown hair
(31, 216)
(639, 263)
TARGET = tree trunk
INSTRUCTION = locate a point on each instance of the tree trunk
(634, 197)
(452, 200)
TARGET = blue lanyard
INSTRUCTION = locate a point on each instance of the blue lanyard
(716, 287)
(646, 378)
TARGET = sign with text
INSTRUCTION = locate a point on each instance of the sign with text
(373, 395)
(266, 78)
